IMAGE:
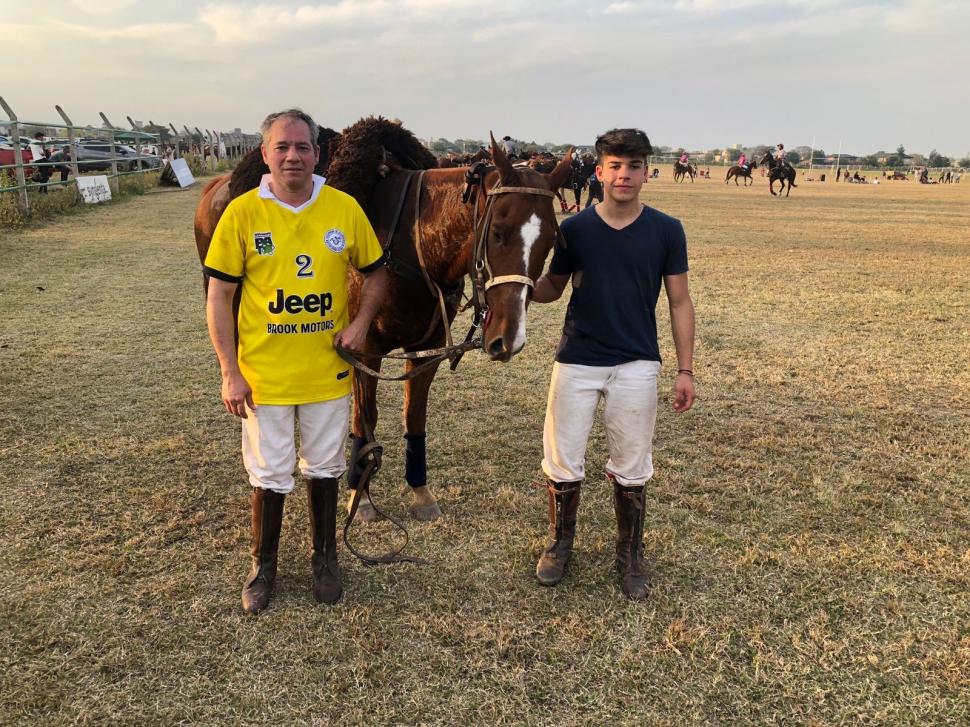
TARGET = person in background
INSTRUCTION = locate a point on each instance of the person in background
(38, 155)
(62, 155)
(510, 148)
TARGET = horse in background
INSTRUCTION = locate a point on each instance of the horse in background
(779, 172)
(544, 162)
(737, 171)
(464, 160)
(682, 170)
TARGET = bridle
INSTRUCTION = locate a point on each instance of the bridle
(481, 273)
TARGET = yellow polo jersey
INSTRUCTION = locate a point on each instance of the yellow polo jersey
(292, 264)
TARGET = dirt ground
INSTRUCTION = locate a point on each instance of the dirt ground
(807, 530)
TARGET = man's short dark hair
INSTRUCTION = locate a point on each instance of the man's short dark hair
(294, 113)
(623, 143)
(39, 135)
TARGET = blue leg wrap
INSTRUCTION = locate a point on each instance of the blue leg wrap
(415, 460)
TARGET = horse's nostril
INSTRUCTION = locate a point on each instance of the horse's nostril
(496, 348)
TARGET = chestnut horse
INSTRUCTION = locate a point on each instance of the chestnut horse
(429, 233)
(744, 172)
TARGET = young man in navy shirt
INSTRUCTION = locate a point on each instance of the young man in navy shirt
(617, 253)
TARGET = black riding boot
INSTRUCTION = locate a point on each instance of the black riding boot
(322, 498)
(629, 505)
(563, 504)
(267, 513)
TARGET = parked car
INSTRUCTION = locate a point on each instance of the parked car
(97, 155)
(7, 158)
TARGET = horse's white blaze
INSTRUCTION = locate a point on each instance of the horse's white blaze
(529, 233)
(519, 341)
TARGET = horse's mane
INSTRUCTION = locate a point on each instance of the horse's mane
(251, 168)
(359, 155)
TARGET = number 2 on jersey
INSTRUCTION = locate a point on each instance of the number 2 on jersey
(304, 262)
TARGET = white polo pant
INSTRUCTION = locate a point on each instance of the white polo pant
(269, 446)
(629, 392)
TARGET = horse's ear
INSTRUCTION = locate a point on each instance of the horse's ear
(506, 172)
(558, 176)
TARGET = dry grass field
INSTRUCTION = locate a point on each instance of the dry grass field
(808, 526)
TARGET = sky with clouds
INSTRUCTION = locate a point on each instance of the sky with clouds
(697, 73)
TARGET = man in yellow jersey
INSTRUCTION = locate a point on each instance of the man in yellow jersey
(289, 244)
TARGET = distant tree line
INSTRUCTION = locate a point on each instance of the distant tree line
(878, 160)
(442, 146)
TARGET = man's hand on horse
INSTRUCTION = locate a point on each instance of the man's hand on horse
(236, 395)
(353, 337)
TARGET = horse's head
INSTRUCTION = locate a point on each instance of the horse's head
(767, 159)
(521, 230)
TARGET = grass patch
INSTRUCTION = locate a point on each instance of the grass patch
(61, 200)
(807, 527)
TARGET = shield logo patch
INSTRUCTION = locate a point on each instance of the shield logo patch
(264, 243)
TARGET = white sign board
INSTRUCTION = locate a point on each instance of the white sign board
(182, 172)
(94, 189)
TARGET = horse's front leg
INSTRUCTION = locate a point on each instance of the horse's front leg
(364, 413)
(425, 506)
(562, 201)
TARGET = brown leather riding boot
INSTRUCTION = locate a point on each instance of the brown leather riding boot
(322, 498)
(629, 505)
(267, 511)
(563, 504)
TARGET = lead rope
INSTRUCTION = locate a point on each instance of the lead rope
(370, 456)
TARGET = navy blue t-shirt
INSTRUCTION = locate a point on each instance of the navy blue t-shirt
(617, 275)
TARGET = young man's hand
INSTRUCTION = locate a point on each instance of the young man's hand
(684, 393)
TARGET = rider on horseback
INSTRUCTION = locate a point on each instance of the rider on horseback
(780, 157)
(684, 159)
(743, 162)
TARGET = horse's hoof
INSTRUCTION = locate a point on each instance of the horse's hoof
(366, 513)
(426, 513)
